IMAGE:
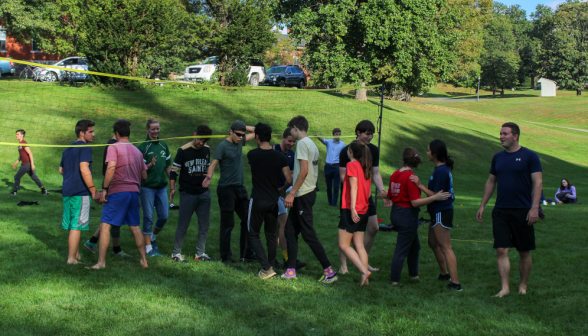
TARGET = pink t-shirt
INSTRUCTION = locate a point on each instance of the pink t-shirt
(129, 165)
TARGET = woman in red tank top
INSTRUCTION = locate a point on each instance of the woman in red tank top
(356, 192)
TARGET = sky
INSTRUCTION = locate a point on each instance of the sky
(529, 5)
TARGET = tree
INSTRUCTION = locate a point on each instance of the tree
(28, 19)
(500, 60)
(565, 58)
(410, 43)
(280, 52)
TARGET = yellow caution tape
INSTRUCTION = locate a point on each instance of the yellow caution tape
(173, 82)
(139, 142)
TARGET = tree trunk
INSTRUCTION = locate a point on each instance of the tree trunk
(493, 91)
(408, 97)
(578, 92)
(361, 94)
(502, 92)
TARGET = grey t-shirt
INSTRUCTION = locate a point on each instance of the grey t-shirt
(230, 156)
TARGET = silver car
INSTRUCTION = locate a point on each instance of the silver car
(78, 63)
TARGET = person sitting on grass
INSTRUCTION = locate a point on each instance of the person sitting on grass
(356, 193)
(406, 199)
(566, 193)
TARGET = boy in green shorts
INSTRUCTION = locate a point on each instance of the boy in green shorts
(78, 187)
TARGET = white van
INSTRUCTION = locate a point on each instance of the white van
(204, 71)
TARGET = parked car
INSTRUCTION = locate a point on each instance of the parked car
(6, 68)
(205, 70)
(76, 62)
(285, 75)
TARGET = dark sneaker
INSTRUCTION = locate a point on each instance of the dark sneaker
(445, 277)
(91, 246)
(45, 192)
(228, 261)
(266, 274)
(454, 286)
(203, 257)
(249, 259)
(178, 258)
(154, 246)
(329, 279)
(541, 213)
(300, 264)
(12, 193)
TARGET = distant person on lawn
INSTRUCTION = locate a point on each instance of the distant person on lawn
(78, 187)
(566, 193)
(27, 165)
(332, 178)
(120, 191)
(231, 191)
(191, 164)
(517, 171)
(157, 157)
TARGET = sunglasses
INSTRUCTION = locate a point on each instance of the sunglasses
(240, 135)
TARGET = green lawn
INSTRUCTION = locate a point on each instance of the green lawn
(43, 295)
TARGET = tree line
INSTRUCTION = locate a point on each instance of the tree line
(409, 45)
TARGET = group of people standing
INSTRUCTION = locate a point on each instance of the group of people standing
(283, 179)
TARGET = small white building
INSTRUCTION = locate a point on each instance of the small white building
(548, 87)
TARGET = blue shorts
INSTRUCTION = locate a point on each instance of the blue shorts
(122, 208)
(281, 207)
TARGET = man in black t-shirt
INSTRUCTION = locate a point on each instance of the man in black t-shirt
(517, 171)
(364, 131)
(284, 147)
(191, 163)
(92, 243)
(267, 166)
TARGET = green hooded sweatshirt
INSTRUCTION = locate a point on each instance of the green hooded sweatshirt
(156, 176)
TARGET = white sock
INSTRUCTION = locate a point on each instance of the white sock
(148, 248)
(153, 236)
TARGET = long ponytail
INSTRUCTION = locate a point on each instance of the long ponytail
(361, 153)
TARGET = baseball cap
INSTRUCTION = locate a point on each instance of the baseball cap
(239, 126)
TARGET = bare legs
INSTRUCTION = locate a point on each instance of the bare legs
(368, 242)
(282, 219)
(503, 263)
(104, 243)
(73, 241)
(440, 243)
(358, 256)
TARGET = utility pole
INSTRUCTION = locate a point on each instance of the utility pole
(478, 89)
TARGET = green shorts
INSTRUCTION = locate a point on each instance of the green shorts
(76, 213)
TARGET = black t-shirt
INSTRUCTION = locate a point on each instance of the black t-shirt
(344, 158)
(290, 157)
(266, 168)
(513, 176)
(191, 164)
(110, 142)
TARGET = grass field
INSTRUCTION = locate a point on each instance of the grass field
(43, 295)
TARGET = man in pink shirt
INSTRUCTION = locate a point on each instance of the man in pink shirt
(120, 191)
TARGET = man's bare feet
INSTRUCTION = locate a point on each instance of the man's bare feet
(364, 278)
(372, 269)
(98, 266)
(144, 263)
(72, 262)
(502, 293)
(342, 271)
(523, 290)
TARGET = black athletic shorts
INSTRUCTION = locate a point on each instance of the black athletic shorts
(348, 225)
(510, 229)
(443, 218)
(372, 207)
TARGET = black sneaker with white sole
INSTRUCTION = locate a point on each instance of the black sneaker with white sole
(454, 286)
(179, 258)
(445, 277)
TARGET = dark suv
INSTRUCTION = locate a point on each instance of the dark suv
(285, 75)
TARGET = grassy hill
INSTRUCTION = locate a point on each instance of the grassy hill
(43, 295)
